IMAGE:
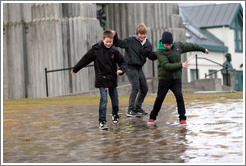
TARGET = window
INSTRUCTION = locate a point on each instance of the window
(214, 75)
(238, 32)
(193, 74)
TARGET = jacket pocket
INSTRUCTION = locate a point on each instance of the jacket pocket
(106, 80)
(101, 79)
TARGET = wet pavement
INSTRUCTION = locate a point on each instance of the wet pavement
(214, 134)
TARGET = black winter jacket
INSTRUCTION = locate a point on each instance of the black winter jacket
(136, 53)
(105, 64)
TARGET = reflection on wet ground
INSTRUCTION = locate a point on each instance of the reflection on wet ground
(214, 134)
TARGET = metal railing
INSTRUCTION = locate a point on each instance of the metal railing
(224, 67)
(212, 73)
(55, 70)
(69, 68)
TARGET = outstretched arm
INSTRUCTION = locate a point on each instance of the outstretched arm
(147, 52)
(84, 61)
(153, 55)
(188, 47)
(119, 42)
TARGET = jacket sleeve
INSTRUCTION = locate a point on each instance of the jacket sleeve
(119, 42)
(152, 55)
(85, 60)
(170, 67)
(146, 51)
(188, 47)
(121, 62)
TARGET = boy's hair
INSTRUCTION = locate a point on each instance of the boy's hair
(108, 33)
(142, 29)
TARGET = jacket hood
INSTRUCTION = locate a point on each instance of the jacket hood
(160, 45)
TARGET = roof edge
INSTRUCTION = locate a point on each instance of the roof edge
(216, 26)
(215, 48)
(239, 9)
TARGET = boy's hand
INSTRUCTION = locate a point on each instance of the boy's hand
(145, 51)
(113, 32)
(72, 72)
(185, 64)
(119, 72)
(206, 51)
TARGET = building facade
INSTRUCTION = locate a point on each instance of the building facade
(219, 28)
(57, 35)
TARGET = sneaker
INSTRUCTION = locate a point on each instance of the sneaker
(132, 113)
(141, 111)
(115, 119)
(151, 121)
(103, 125)
(183, 122)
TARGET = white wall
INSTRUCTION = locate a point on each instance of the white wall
(226, 35)
(203, 65)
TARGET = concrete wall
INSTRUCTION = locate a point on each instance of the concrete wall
(213, 84)
(55, 35)
(52, 36)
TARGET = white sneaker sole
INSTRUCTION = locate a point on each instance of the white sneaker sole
(105, 128)
(115, 122)
(129, 115)
(151, 123)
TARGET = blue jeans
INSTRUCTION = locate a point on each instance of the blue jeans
(104, 100)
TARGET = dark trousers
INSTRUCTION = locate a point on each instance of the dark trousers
(176, 87)
(139, 88)
(113, 93)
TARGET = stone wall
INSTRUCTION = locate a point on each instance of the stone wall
(52, 36)
(55, 36)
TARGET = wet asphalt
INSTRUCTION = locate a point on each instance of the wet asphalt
(213, 134)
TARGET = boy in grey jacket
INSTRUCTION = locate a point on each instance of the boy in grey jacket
(138, 48)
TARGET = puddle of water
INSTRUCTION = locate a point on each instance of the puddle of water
(214, 134)
(217, 136)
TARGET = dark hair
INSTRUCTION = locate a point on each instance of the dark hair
(108, 33)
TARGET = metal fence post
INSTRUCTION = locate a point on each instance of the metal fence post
(56, 70)
(153, 68)
(46, 82)
(196, 68)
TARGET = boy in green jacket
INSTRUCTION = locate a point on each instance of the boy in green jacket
(170, 72)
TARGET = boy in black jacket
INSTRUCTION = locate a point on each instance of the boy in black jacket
(138, 48)
(105, 57)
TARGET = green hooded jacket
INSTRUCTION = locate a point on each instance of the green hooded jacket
(170, 65)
